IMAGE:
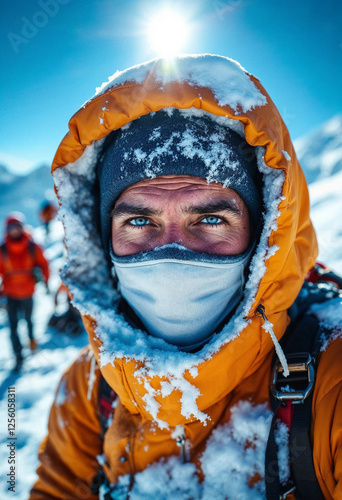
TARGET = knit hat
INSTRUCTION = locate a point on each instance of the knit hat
(15, 219)
(175, 142)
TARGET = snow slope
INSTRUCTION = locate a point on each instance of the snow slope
(320, 153)
(25, 193)
(326, 215)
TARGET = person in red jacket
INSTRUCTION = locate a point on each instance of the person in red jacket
(20, 258)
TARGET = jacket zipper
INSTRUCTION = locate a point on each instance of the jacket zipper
(184, 451)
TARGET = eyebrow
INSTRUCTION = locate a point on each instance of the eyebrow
(130, 209)
(213, 207)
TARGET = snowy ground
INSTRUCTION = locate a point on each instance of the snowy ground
(35, 386)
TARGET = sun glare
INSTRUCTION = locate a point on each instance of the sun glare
(167, 33)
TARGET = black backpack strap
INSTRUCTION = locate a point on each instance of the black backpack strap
(301, 456)
(3, 249)
(302, 344)
(105, 400)
(4, 254)
(32, 249)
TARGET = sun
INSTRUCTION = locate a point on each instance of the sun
(167, 32)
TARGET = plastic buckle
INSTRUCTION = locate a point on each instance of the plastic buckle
(283, 496)
(299, 384)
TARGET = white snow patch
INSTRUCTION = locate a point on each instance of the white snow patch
(193, 371)
(61, 423)
(166, 389)
(287, 388)
(165, 480)
(101, 459)
(282, 437)
(229, 82)
(92, 377)
(286, 154)
(151, 405)
(189, 392)
(234, 455)
(330, 317)
(155, 134)
(139, 154)
(178, 432)
(62, 394)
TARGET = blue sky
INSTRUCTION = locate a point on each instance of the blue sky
(56, 52)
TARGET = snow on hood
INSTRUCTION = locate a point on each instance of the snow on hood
(203, 70)
(86, 272)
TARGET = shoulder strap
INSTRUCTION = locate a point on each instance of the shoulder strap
(4, 252)
(106, 398)
(32, 249)
(301, 350)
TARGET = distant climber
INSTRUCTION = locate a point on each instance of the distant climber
(22, 263)
(47, 213)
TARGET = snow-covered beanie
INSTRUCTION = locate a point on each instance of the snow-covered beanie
(176, 143)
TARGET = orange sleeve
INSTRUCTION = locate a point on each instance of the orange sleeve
(68, 453)
(42, 262)
(337, 444)
(327, 422)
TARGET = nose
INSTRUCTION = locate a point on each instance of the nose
(173, 234)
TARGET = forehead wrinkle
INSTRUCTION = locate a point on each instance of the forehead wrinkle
(212, 207)
(124, 208)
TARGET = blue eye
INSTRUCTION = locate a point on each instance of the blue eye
(139, 221)
(211, 220)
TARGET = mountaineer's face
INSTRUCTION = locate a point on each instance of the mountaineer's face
(15, 231)
(180, 209)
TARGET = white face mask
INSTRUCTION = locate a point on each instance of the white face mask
(181, 296)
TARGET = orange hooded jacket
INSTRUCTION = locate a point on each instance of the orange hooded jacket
(17, 267)
(214, 399)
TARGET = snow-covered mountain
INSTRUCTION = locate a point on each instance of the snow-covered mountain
(320, 152)
(326, 215)
(320, 155)
(24, 193)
